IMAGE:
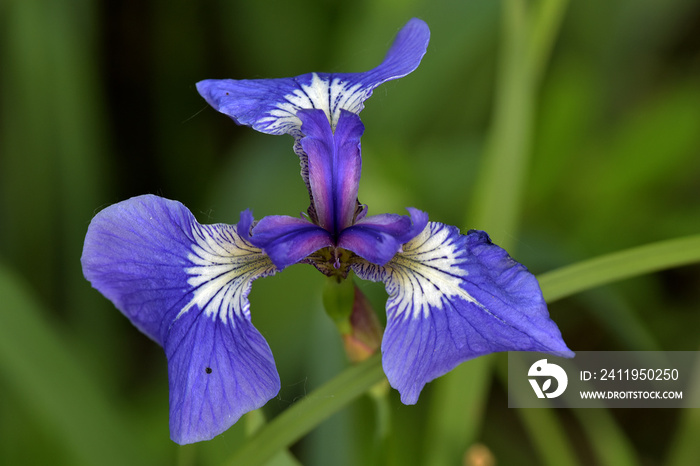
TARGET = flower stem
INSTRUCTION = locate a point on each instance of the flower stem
(591, 273)
(303, 416)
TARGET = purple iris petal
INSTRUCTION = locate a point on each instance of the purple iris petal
(403, 57)
(452, 298)
(287, 240)
(378, 238)
(185, 285)
(217, 371)
(334, 166)
(270, 105)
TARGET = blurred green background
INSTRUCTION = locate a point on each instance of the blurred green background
(98, 104)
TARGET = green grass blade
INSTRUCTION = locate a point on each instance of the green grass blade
(544, 26)
(545, 431)
(497, 193)
(610, 444)
(255, 420)
(685, 448)
(301, 418)
(43, 376)
(465, 389)
(548, 437)
(588, 274)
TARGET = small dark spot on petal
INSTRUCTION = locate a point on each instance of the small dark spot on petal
(208, 370)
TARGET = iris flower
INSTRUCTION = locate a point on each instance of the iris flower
(451, 296)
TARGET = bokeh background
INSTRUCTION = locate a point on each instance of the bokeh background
(98, 104)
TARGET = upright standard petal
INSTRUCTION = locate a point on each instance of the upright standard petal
(452, 298)
(334, 167)
(403, 57)
(271, 105)
(185, 285)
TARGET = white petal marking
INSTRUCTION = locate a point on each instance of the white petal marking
(330, 95)
(425, 275)
(225, 267)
